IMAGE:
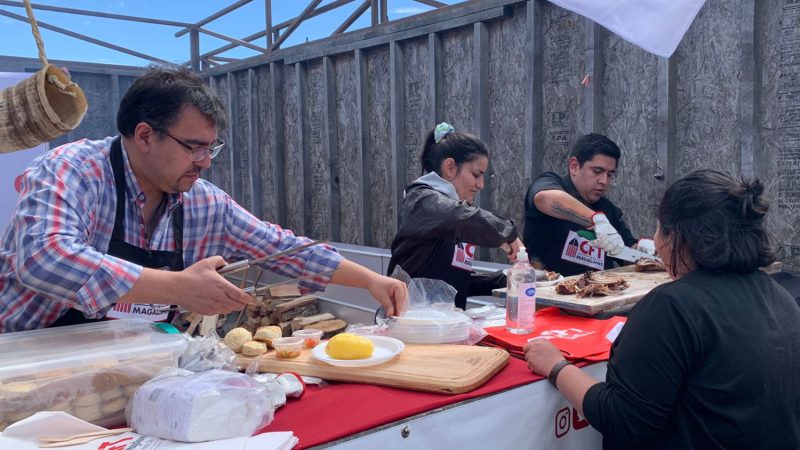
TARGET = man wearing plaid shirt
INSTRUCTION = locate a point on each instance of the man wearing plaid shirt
(124, 226)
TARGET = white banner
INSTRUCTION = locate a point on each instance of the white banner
(13, 164)
(655, 25)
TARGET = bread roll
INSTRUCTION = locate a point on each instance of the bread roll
(254, 348)
(113, 406)
(267, 334)
(236, 338)
(88, 413)
(87, 400)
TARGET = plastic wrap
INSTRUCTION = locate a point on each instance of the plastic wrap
(207, 352)
(431, 317)
(196, 407)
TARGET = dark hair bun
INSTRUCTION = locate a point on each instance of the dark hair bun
(754, 205)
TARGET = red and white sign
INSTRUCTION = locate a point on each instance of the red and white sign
(579, 251)
(152, 313)
(463, 256)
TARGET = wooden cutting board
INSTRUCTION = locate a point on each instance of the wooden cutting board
(447, 369)
(640, 284)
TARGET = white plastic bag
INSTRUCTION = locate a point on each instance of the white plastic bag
(196, 407)
(431, 317)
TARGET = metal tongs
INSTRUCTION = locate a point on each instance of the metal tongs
(258, 290)
(245, 264)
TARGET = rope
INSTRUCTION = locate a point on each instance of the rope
(52, 79)
(36, 35)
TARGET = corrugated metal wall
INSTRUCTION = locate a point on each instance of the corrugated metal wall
(326, 135)
(333, 129)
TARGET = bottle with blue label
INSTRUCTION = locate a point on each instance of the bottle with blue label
(521, 295)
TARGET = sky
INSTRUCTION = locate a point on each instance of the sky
(159, 40)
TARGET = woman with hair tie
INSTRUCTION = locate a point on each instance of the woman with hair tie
(710, 360)
(440, 227)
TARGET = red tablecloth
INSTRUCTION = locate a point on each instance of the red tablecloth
(578, 338)
(343, 409)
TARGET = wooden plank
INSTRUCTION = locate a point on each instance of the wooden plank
(317, 169)
(241, 95)
(253, 169)
(509, 171)
(362, 103)
(115, 97)
(480, 117)
(563, 56)
(234, 150)
(665, 132)
(211, 174)
(293, 150)
(384, 38)
(446, 369)
(331, 143)
(705, 130)
(417, 105)
(749, 91)
(533, 130)
(347, 117)
(278, 141)
(592, 119)
(435, 78)
(378, 150)
(305, 154)
(396, 141)
(641, 283)
(458, 68)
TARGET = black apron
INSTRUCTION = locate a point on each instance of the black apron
(152, 259)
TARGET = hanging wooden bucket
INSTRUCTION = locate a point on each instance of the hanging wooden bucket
(39, 109)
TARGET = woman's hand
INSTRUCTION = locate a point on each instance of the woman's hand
(541, 356)
(511, 249)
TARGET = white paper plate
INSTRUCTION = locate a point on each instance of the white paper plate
(386, 348)
(550, 283)
(542, 283)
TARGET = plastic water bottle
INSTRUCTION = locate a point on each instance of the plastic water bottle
(521, 295)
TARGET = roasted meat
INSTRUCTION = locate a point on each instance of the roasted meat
(592, 284)
(649, 265)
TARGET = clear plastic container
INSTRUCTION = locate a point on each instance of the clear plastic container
(311, 338)
(288, 347)
(521, 296)
(87, 370)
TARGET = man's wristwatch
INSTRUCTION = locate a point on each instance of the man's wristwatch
(556, 370)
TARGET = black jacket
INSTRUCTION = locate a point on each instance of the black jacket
(433, 222)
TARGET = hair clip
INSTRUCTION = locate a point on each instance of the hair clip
(442, 130)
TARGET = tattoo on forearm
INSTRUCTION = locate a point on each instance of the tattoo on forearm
(567, 214)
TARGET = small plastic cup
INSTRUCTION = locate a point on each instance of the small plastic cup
(310, 337)
(288, 347)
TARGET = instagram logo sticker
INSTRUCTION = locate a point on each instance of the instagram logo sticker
(563, 422)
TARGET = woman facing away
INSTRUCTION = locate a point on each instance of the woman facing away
(440, 227)
(710, 360)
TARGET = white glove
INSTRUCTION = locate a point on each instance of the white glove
(607, 237)
(646, 246)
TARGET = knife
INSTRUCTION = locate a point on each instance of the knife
(627, 253)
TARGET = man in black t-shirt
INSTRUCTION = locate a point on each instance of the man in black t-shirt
(557, 207)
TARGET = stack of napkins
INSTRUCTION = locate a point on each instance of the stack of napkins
(24, 435)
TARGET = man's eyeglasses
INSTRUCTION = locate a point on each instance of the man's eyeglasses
(200, 152)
